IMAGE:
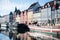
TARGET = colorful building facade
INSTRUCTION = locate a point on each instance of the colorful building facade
(31, 11)
(25, 15)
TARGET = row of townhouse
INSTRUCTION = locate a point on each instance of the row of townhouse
(40, 14)
(37, 13)
(19, 16)
(25, 16)
(48, 12)
(51, 11)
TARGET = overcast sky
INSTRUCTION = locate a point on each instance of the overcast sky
(9, 5)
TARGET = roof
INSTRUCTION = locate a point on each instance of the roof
(38, 8)
(51, 3)
(33, 5)
(18, 12)
(11, 13)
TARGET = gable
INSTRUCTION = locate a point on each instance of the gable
(34, 5)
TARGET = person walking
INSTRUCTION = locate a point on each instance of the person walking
(10, 34)
(53, 22)
(49, 22)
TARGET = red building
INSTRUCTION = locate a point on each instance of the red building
(23, 17)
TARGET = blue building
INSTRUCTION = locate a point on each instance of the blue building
(11, 17)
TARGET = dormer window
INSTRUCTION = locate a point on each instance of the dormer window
(39, 8)
(43, 6)
(48, 5)
(59, 6)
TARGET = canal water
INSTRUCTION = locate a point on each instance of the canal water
(3, 37)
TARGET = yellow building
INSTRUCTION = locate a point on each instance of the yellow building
(18, 18)
(30, 16)
(31, 11)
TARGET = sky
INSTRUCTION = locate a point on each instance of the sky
(6, 6)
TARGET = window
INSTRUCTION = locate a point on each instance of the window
(23, 13)
(59, 7)
(48, 5)
(43, 6)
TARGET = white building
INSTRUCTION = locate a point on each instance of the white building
(4, 19)
(46, 14)
(37, 17)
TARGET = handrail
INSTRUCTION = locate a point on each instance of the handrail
(47, 29)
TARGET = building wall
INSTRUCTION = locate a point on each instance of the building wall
(54, 15)
(21, 18)
(45, 14)
(4, 19)
(25, 16)
(30, 16)
(14, 17)
(37, 17)
(59, 15)
(18, 18)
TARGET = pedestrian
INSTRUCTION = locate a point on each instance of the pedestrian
(10, 35)
(53, 22)
(49, 22)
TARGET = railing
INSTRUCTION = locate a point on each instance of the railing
(37, 32)
(47, 29)
(42, 36)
